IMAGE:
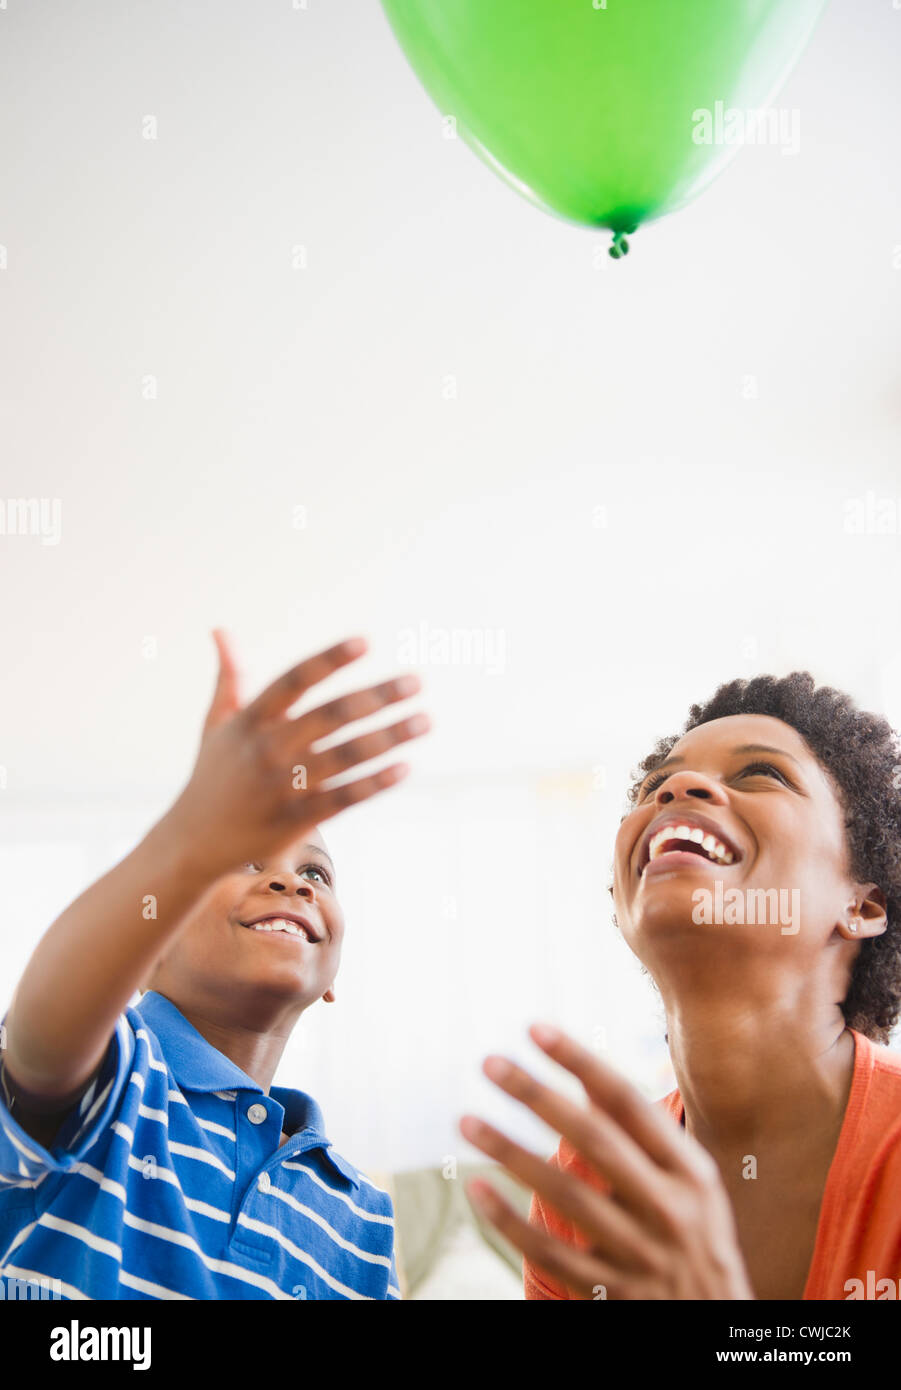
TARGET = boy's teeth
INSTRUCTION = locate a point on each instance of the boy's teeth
(279, 924)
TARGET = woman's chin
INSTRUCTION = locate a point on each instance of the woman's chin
(677, 889)
(668, 908)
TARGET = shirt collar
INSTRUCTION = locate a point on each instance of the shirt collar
(195, 1063)
(198, 1066)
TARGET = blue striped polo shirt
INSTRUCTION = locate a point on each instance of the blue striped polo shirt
(167, 1182)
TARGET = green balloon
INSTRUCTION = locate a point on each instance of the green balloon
(606, 112)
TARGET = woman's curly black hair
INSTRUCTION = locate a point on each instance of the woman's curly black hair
(862, 755)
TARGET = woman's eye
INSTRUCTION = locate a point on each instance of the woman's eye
(652, 784)
(768, 768)
(750, 770)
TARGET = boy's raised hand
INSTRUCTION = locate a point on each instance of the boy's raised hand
(261, 780)
(226, 699)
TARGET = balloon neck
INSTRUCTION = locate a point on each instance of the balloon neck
(620, 246)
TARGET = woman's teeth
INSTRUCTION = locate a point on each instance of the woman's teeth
(712, 847)
(280, 924)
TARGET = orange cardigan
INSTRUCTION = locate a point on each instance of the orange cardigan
(857, 1253)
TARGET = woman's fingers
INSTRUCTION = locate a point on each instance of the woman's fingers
(611, 1231)
(678, 1238)
(599, 1140)
(284, 692)
(584, 1275)
(651, 1128)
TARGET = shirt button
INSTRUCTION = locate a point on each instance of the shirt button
(263, 1182)
(256, 1114)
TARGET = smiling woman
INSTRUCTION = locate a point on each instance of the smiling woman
(858, 754)
(788, 1185)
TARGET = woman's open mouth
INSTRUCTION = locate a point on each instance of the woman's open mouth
(684, 836)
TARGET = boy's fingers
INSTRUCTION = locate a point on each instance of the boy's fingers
(226, 698)
(278, 697)
(333, 761)
(347, 709)
(319, 806)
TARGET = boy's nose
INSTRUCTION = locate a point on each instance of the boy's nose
(291, 883)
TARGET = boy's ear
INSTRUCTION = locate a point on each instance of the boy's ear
(329, 996)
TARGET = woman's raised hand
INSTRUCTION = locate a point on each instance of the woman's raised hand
(665, 1228)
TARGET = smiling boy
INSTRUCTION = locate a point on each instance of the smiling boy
(144, 1152)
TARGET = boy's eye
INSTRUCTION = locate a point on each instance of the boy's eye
(251, 866)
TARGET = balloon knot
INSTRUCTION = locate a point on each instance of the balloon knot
(620, 246)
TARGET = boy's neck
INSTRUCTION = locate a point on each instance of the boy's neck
(257, 1051)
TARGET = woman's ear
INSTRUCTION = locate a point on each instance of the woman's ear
(866, 916)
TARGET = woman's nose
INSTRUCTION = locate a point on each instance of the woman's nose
(681, 784)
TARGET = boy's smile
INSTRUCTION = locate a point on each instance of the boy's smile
(290, 913)
(273, 928)
(284, 924)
